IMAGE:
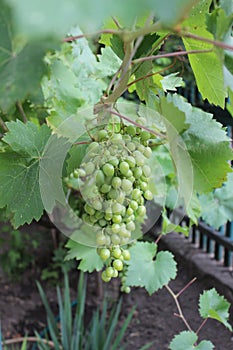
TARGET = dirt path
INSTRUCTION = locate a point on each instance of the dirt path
(21, 311)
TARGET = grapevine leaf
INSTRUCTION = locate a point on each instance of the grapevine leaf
(90, 260)
(208, 147)
(150, 269)
(213, 305)
(186, 340)
(109, 62)
(171, 82)
(21, 64)
(217, 206)
(209, 77)
(27, 138)
(19, 172)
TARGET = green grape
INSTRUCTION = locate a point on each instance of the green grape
(124, 233)
(117, 208)
(89, 210)
(124, 168)
(121, 197)
(93, 146)
(117, 218)
(145, 135)
(89, 168)
(137, 173)
(116, 138)
(148, 195)
(136, 194)
(129, 211)
(130, 226)
(108, 169)
(139, 158)
(141, 211)
(133, 204)
(102, 222)
(96, 204)
(109, 271)
(102, 134)
(118, 264)
(126, 254)
(115, 228)
(131, 161)
(99, 215)
(147, 152)
(115, 273)
(116, 182)
(114, 161)
(126, 185)
(146, 171)
(113, 194)
(104, 254)
(127, 290)
(116, 253)
(143, 186)
(99, 177)
(131, 146)
(129, 173)
(104, 277)
(131, 130)
(105, 188)
(115, 239)
(81, 172)
(100, 239)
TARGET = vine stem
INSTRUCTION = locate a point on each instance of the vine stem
(180, 312)
(29, 339)
(136, 124)
(3, 125)
(210, 41)
(170, 54)
(202, 325)
(87, 35)
(21, 111)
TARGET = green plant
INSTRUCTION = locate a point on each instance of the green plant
(58, 265)
(17, 250)
(72, 333)
(82, 62)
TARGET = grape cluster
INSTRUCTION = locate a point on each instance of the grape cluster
(114, 183)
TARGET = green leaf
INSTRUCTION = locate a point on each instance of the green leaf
(90, 260)
(171, 82)
(217, 206)
(209, 77)
(150, 269)
(213, 305)
(208, 146)
(109, 62)
(19, 172)
(186, 340)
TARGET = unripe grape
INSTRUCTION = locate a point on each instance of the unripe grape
(89, 168)
(102, 134)
(104, 254)
(115, 228)
(116, 182)
(109, 271)
(148, 195)
(116, 138)
(147, 152)
(124, 168)
(137, 173)
(131, 130)
(99, 177)
(105, 188)
(100, 239)
(115, 239)
(145, 135)
(118, 264)
(130, 226)
(116, 253)
(131, 146)
(126, 254)
(136, 193)
(127, 290)
(104, 277)
(146, 170)
(131, 161)
(108, 169)
(114, 161)
(117, 219)
(126, 185)
(133, 204)
(141, 211)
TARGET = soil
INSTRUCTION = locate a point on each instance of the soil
(21, 310)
